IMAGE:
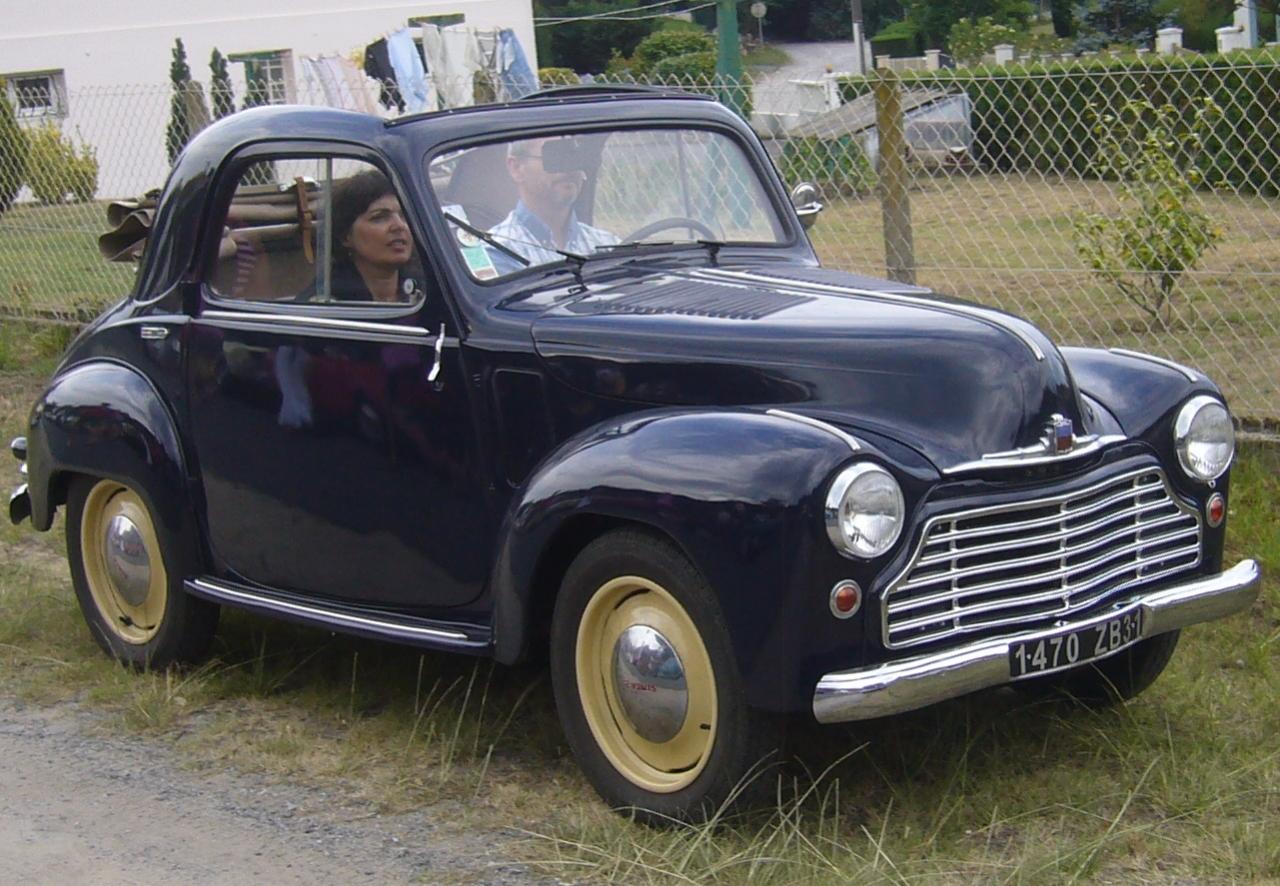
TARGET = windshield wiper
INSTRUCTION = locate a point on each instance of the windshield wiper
(578, 260)
(488, 238)
(713, 247)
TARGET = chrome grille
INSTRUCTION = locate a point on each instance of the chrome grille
(1031, 562)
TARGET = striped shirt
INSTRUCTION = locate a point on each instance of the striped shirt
(523, 232)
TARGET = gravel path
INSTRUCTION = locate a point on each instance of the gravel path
(81, 807)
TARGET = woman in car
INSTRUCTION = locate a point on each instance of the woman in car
(373, 246)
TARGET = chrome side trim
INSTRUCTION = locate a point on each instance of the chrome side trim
(1031, 456)
(19, 505)
(260, 321)
(1190, 374)
(899, 686)
(818, 423)
(216, 590)
(990, 317)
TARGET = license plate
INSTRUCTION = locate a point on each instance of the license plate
(1075, 647)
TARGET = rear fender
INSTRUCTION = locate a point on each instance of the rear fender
(104, 419)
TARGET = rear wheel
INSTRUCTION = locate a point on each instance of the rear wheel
(646, 685)
(127, 579)
(1120, 677)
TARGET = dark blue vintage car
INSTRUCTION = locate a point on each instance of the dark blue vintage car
(565, 378)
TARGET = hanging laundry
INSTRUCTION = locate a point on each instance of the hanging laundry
(433, 51)
(377, 64)
(409, 71)
(342, 84)
(462, 59)
(515, 76)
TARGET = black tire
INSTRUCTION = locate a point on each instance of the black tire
(1117, 678)
(149, 626)
(723, 751)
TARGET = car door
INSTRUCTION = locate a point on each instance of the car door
(331, 428)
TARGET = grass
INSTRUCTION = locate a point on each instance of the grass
(765, 55)
(1182, 784)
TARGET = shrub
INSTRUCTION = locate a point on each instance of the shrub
(668, 44)
(694, 68)
(970, 41)
(1162, 231)
(557, 77)
(835, 165)
(13, 153)
(1035, 116)
(56, 170)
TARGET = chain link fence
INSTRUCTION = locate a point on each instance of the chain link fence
(1130, 204)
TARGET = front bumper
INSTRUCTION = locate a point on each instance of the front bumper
(895, 687)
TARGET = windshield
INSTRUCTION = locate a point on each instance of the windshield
(518, 204)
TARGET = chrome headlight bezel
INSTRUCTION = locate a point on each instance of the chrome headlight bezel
(1186, 424)
(844, 488)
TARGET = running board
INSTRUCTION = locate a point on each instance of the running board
(377, 624)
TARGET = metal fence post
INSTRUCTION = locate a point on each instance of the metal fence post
(895, 205)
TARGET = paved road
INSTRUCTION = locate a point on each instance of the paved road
(77, 806)
(774, 93)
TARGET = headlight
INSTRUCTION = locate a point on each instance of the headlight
(1204, 438)
(864, 511)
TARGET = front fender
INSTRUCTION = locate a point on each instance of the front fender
(738, 492)
(104, 419)
(1139, 393)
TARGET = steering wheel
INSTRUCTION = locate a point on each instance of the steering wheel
(663, 224)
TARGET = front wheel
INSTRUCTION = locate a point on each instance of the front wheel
(125, 573)
(646, 684)
(1120, 677)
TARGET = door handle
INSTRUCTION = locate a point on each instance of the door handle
(435, 366)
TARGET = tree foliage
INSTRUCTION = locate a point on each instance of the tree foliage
(970, 41)
(1123, 21)
(13, 153)
(178, 133)
(220, 92)
(935, 18)
(56, 170)
(586, 46)
(1162, 231)
(1064, 17)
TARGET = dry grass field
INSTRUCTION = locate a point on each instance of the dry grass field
(1179, 785)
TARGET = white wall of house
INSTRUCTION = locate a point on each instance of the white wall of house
(113, 58)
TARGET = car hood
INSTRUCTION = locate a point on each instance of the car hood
(952, 380)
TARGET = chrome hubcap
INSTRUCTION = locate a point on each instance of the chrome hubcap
(649, 681)
(127, 563)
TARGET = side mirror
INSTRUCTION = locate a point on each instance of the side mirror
(804, 197)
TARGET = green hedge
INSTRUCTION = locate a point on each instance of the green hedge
(1034, 116)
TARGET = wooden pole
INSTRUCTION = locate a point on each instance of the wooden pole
(895, 205)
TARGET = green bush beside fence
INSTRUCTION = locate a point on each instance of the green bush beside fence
(1035, 116)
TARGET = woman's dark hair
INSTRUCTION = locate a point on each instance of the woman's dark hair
(352, 196)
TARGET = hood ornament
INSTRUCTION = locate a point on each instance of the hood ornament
(1059, 435)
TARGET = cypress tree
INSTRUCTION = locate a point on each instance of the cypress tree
(179, 130)
(220, 86)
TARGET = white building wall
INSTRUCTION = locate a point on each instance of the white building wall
(115, 57)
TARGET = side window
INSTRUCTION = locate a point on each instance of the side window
(322, 230)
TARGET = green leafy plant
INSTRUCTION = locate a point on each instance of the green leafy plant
(969, 41)
(835, 165)
(1162, 231)
(557, 77)
(663, 45)
(13, 153)
(178, 132)
(56, 170)
(220, 92)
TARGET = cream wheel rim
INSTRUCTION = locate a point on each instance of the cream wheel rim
(659, 766)
(122, 563)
